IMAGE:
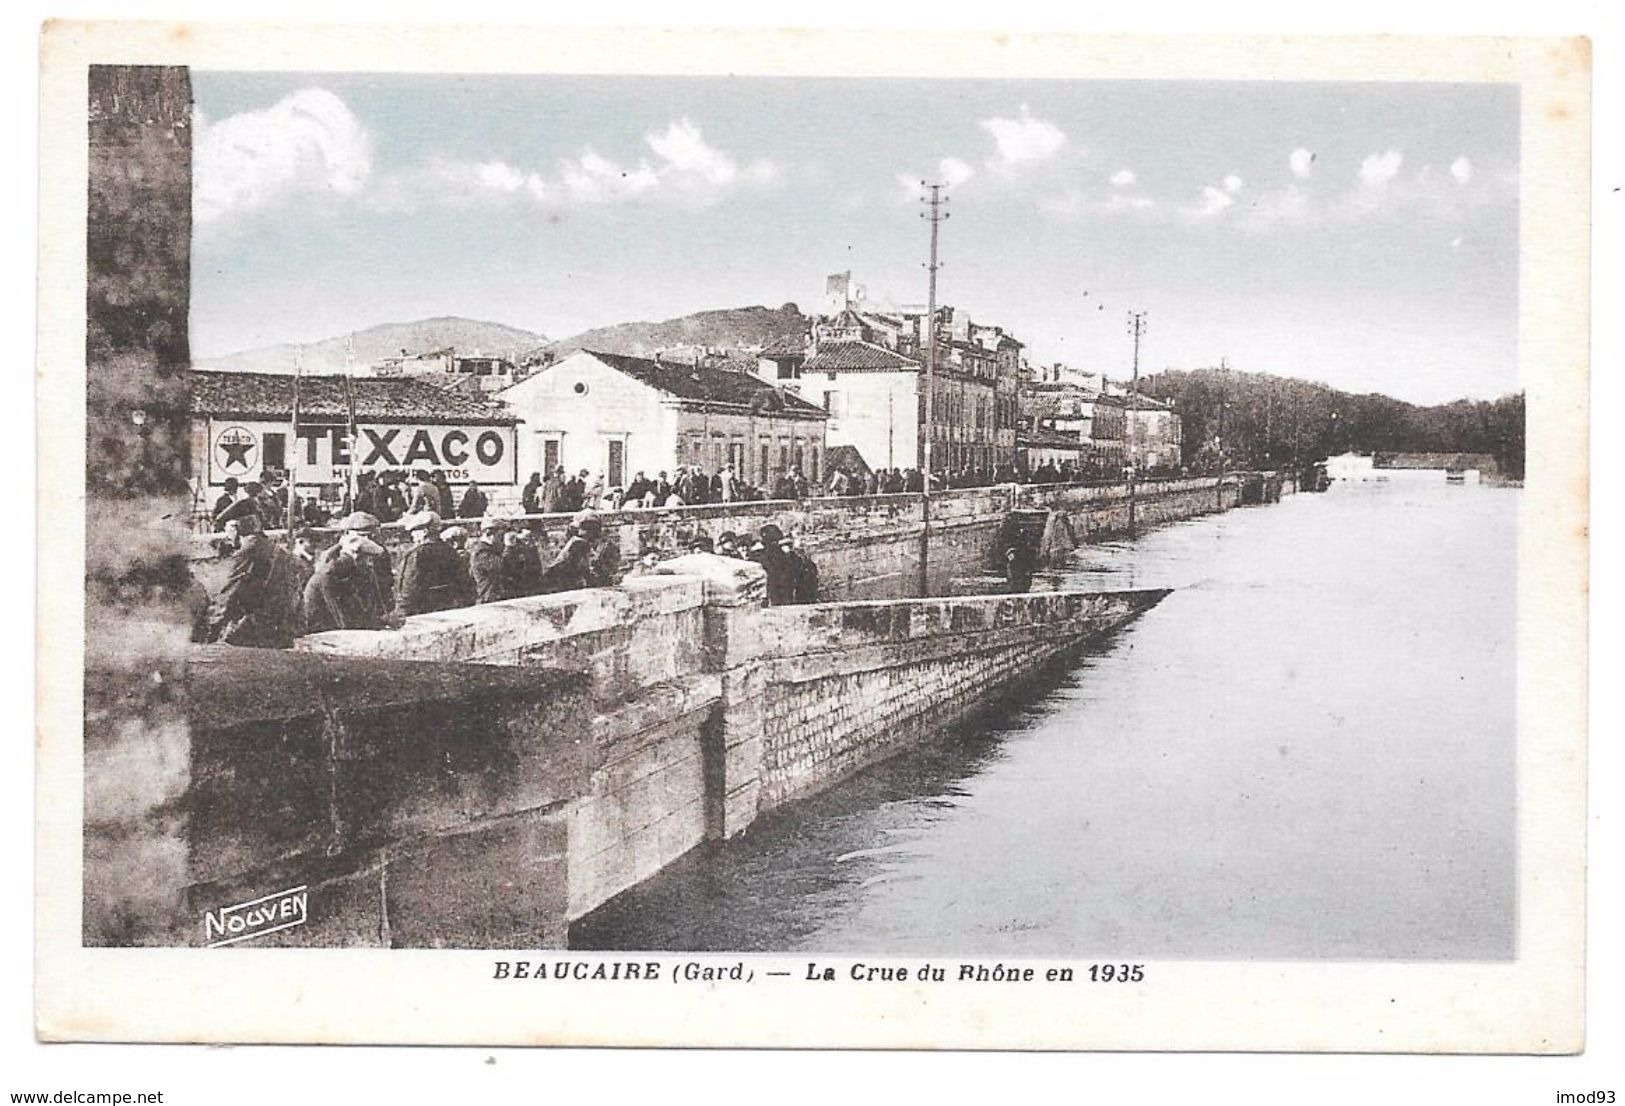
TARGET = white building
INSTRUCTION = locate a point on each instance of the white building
(619, 415)
(865, 365)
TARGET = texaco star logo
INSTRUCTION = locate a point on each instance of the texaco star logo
(234, 448)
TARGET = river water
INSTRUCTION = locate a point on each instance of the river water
(1306, 751)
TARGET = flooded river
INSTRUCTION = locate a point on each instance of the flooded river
(1306, 751)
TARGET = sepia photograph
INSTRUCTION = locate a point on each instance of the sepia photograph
(819, 524)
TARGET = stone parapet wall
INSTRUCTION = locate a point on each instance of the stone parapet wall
(865, 547)
(420, 803)
(853, 683)
(482, 777)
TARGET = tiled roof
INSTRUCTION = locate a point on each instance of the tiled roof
(855, 355)
(847, 458)
(387, 399)
(785, 345)
(707, 384)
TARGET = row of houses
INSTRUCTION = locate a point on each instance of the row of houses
(1071, 415)
(852, 387)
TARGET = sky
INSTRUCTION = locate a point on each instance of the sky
(1364, 235)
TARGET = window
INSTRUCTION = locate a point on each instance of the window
(276, 452)
(617, 464)
(550, 455)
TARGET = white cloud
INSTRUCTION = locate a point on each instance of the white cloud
(1022, 140)
(1462, 170)
(1455, 243)
(1233, 183)
(307, 143)
(1378, 169)
(681, 167)
(1123, 178)
(954, 172)
(951, 173)
(1302, 162)
(1213, 201)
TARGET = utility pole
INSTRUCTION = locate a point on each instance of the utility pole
(292, 457)
(1224, 401)
(1136, 327)
(934, 215)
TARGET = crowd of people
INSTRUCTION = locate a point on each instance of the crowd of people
(387, 496)
(463, 554)
(275, 593)
(391, 496)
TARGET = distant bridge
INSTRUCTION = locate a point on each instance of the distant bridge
(1483, 462)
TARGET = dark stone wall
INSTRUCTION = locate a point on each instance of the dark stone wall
(137, 587)
(422, 804)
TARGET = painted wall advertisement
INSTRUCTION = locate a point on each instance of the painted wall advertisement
(324, 454)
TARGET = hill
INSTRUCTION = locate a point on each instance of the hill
(466, 336)
(728, 328)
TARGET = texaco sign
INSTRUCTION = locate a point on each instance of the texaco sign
(323, 454)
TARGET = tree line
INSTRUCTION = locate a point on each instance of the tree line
(1266, 421)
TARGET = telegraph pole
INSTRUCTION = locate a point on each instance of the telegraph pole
(1224, 401)
(934, 215)
(1136, 327)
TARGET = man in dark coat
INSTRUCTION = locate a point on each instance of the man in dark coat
(521, 565)
(338, 596)
(485, 564)
(553, 492)
(228, 496)
(803, 573)
(377, 584)
(448, 505)
(769, 553)
(256, 607)
(530, 500)
(473, 503)
(580, 564)
(432, 576)
(246, 506)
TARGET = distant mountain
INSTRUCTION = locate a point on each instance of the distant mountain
(728, 328)
(466, 336)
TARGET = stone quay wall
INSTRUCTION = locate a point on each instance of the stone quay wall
(421, 804)
(851, 684)
(650, 712)
(866, 547)
(483, 777)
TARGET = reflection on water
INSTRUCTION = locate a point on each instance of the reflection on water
(1306, 751)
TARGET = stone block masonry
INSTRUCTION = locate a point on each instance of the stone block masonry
(483, 777)
(851, 684)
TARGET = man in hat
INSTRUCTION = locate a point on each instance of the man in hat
(256, 606)
(521, 565)
(377, 585)
(339, 595)
(803, 573)
(228, 496)
(246, 505)
(432, 576)
(485, 563)
(575, 566)
(769, 553)
(728, 545)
